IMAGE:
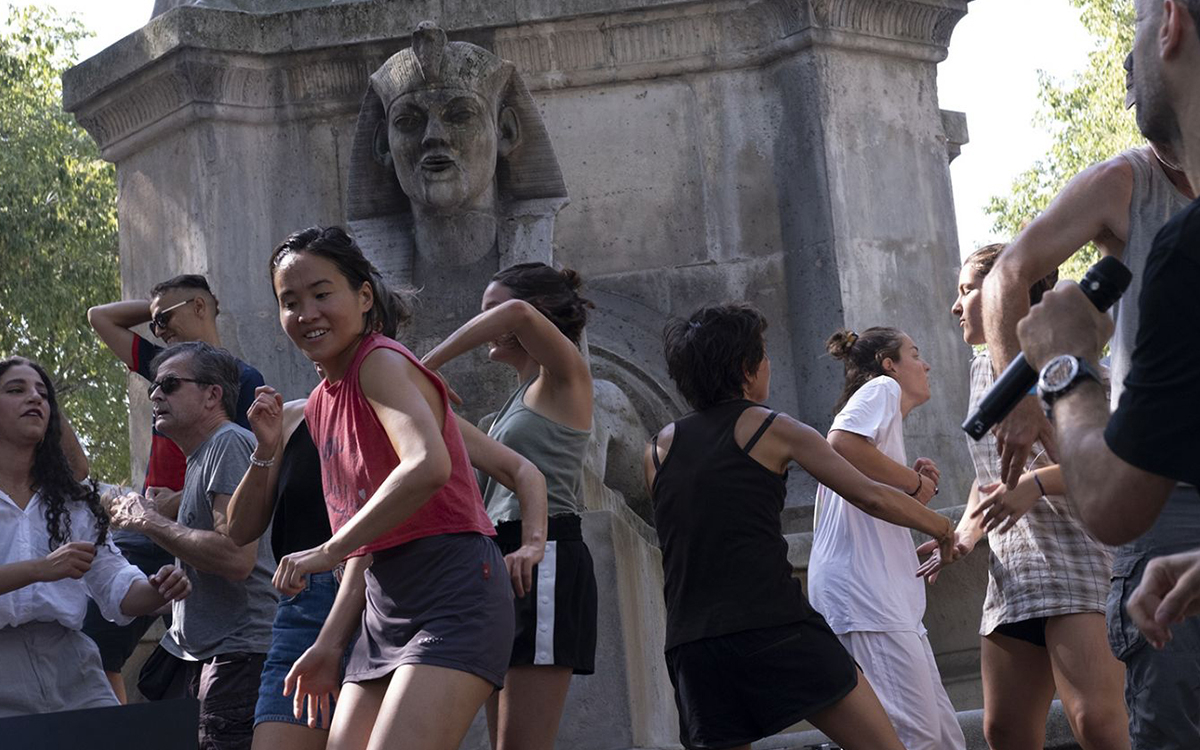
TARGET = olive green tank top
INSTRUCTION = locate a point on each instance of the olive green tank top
(555, 449)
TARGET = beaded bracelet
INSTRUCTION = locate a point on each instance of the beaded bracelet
(259, 462)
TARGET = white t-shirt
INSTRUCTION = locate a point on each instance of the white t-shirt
(862, 573)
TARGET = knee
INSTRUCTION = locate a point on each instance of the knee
(1003, 735)
(1098, 728)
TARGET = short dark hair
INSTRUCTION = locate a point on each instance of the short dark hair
(710, 353)
(391, 308)
(209, 365)
(186, 281)
(553, 293)
(984, 259)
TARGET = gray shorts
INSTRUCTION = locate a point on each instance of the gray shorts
(48, 667)
(444, 601)
(1162, 688)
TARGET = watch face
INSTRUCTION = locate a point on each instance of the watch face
(1059, 372)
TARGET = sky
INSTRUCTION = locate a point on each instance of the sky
(991, 74)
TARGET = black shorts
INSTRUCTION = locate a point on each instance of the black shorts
(1032, 630)
(118, 642)
(735, 689)
(556, 620)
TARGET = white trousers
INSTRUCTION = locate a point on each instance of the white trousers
(901, 669)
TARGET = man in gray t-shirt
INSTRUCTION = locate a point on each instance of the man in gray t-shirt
(223, 630)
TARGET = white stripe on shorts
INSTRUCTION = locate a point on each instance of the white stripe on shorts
(543, 645)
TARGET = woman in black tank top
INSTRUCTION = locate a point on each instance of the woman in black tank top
(746, 653)
(283, 496)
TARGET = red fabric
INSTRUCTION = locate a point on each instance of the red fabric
(166, 465)
(357, 456)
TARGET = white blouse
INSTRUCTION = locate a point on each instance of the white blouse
(23, 536)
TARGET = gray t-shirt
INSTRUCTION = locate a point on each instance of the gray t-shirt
(221, 616)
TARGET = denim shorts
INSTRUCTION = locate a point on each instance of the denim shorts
(298, 621)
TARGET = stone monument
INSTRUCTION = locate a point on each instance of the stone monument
(790, 153)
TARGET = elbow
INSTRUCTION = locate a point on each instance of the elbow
(92, 314)
(240, 566)
(1108, 527)
(436, 472)
(871, 501)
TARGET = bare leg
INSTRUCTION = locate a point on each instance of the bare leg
(527, 712)
(426, 708)
(858, 721)
(118, 685)
(357, 709)
(1090, 680)
(1018, 686)
(278, 735)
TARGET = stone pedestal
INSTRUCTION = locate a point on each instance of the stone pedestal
(790, 153)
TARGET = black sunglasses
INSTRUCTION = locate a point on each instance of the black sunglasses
(160, 321)
(170, 384)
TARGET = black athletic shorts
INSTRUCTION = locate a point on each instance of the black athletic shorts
(735, 689)
(1032, 630)
(556, 621)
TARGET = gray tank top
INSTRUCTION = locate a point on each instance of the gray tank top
(1155, 200)
(555, 449)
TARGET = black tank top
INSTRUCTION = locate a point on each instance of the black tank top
(717, 512)
(301, 521)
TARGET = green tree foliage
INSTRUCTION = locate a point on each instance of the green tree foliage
(1088, 121)
(58, 235)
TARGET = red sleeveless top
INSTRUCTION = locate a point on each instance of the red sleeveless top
(357, 456)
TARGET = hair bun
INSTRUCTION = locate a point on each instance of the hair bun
(572, 279)
(840, 343)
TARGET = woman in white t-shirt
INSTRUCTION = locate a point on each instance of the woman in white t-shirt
(862, 572)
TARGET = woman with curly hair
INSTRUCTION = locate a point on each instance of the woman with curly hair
(532, 320)
(54, 554)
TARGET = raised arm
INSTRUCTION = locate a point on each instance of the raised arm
(253, 502)
(876, 465)
(71, 560)
(76, 458)
(113, 323)
(518, 474)
(1094, 206)
(538, 336)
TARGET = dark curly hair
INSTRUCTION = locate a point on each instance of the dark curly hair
(863, 355)
(391, 308)
(709, 354)
(553, 293)
(983, 259)
(52, 475)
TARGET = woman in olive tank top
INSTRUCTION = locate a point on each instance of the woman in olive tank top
(532, 320)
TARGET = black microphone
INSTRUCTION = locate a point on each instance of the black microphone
(1103, 284)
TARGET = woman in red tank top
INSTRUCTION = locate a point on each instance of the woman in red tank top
(423, 575)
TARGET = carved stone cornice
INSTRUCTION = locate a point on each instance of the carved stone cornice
(213, 64)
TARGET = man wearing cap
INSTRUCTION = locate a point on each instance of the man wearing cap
(1123, 477)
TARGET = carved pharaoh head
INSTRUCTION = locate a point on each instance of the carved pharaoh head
(448, 127)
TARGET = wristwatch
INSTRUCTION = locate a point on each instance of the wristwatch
(1060, 376)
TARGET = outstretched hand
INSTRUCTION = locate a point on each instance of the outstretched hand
(1001, 507)
(1015, 437)
(314, 678)
(1168, 594)
(943, 553)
